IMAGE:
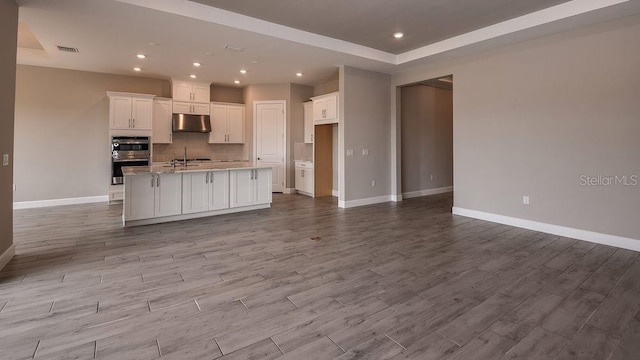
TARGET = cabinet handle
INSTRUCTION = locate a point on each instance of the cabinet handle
(206, 181)
(211, 177)
(256, 170)
(311, 137)
(302, 173)
(251, 174)
(134, 123)
(129, 123)
(170, 137)
(152, 179)
(158, 180)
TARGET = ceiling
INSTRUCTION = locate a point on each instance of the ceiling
(372, 22)
(282, 37)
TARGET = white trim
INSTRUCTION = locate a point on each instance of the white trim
(289, 191)
(412, 194)
(591, 236)
(363, 202)
(180, 217)
(59, 202)
(396, 198)
(285, 139)
(334, 193)
(7, 255)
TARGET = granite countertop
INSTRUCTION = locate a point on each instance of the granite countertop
(166, 168)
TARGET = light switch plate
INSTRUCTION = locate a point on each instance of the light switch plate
(349, 152)
(365, 152)
(5, 159)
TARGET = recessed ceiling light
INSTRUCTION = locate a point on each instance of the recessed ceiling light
(137, 69)
(192, 76)
(299, 74)
(196, 64)
(236, 81)
(233, 48)
(243, 71)
(398, 35)
(141, 56)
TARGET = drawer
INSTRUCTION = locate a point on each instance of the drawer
(304, 164)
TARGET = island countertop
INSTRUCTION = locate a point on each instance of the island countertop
(195, 167)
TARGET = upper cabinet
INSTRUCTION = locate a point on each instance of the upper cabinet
(181, 107)
(128, 111)
(227, 124)
(162, 132)
(190, 92)
(325, 109)
(308, 122)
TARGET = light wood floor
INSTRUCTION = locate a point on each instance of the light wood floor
(388, 281)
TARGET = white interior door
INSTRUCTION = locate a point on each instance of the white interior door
(270, 140)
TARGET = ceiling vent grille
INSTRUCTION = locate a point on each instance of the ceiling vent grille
(67, 49)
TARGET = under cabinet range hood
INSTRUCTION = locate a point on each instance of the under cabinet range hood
(191, 123)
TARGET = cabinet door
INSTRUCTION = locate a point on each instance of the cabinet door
(195, 192)
(219, 190)
(200, 109)
(308, 184)
(262, 186)
(235, 124)
(331, 107)
(218, 132)
(241, 188)
(168, 194)
(162, 132)
(181, 107)
(139, 197)
(201, 93)
(142, 114)
(308, 123)
(300, 180)
(319, 107)
(182, 91)
(120, 112)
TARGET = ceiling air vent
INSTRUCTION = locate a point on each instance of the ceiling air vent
(68, 49)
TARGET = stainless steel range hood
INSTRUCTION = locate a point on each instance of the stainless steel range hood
(191, 123)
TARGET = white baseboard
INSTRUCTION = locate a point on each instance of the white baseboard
(59, 202)
(396, 198)
(412, 194)
(334, 193)
(289, 191)
(591, 236)
(7, 255)
(362, 202)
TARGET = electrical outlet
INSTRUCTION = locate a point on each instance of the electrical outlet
(525, 200)
(5, 159)
(431, 177)
(14, 187)
(365, 152)
(349, 152)
(373, 183)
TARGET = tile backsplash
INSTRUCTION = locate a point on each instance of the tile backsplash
(197, 147)
(303, 151)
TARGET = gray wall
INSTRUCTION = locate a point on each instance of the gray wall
(531, 118)
(62, 127)
(427, 138)
(226, 94)
(364, 103)
(8, 42)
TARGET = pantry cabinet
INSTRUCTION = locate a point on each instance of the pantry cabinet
(308, 122)
(227, 124)
(162, 130)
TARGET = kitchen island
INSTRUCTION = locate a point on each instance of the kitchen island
(160, 193)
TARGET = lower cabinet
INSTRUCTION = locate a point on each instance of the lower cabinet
(153, 195)
(205, 191)
(249, 187)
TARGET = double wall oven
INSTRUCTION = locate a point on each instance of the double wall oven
(128, 151)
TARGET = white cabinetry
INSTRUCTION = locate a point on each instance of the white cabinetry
(304, 177)
(205, 191)
(190, 92)
(308, 122)
(227, 124)
(325, 109)
(162, 130)
(153, 195)
(128, 111)
(180, 107)
(249, 187)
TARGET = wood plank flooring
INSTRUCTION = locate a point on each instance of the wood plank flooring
(387, 281)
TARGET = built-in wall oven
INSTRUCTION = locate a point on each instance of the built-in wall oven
(128, 151)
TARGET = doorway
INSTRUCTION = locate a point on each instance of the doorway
(270, 139)
(426, 132)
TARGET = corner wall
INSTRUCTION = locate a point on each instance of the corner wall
(535, 118)
(8, 42)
